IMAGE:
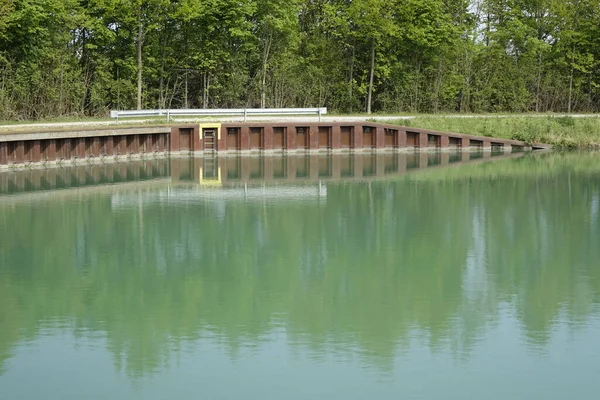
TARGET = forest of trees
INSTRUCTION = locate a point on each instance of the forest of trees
(70, 58)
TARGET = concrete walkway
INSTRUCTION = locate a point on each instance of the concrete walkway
(82, 124)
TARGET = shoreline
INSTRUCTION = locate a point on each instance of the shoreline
(562, 131)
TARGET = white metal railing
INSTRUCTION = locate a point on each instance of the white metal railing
(245, 112)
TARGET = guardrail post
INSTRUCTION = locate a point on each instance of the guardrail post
(319, 114)
(168, 115)
(245, 114)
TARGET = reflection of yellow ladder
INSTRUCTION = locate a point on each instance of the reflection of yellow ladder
(210, 172)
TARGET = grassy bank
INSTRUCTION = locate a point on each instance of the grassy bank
(562, 132)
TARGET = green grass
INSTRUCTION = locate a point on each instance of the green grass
(562, 132)
(55, 120)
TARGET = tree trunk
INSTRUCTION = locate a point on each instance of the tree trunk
(571, 79)
(465, 102)
(263, 89)
(140, 42)
(352, 78)
(161, 84)
(371, 76)
(438, 87)
(538, 84)
(415, 105)
(87, 70)
(186, 95)
(206, 89)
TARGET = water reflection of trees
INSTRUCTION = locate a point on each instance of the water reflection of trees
(359, 273)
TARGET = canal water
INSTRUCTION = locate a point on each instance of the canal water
(199, 279)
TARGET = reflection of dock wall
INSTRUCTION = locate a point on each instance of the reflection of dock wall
(97, 144)
(234, 171)
(300, 169)
(83, 176)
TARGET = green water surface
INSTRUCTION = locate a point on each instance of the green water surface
(477, 281)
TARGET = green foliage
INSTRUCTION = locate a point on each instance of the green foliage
(79, 57)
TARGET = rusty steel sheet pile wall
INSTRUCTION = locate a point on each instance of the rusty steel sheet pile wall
(84, 145)
(104, 144)
(339, 136)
